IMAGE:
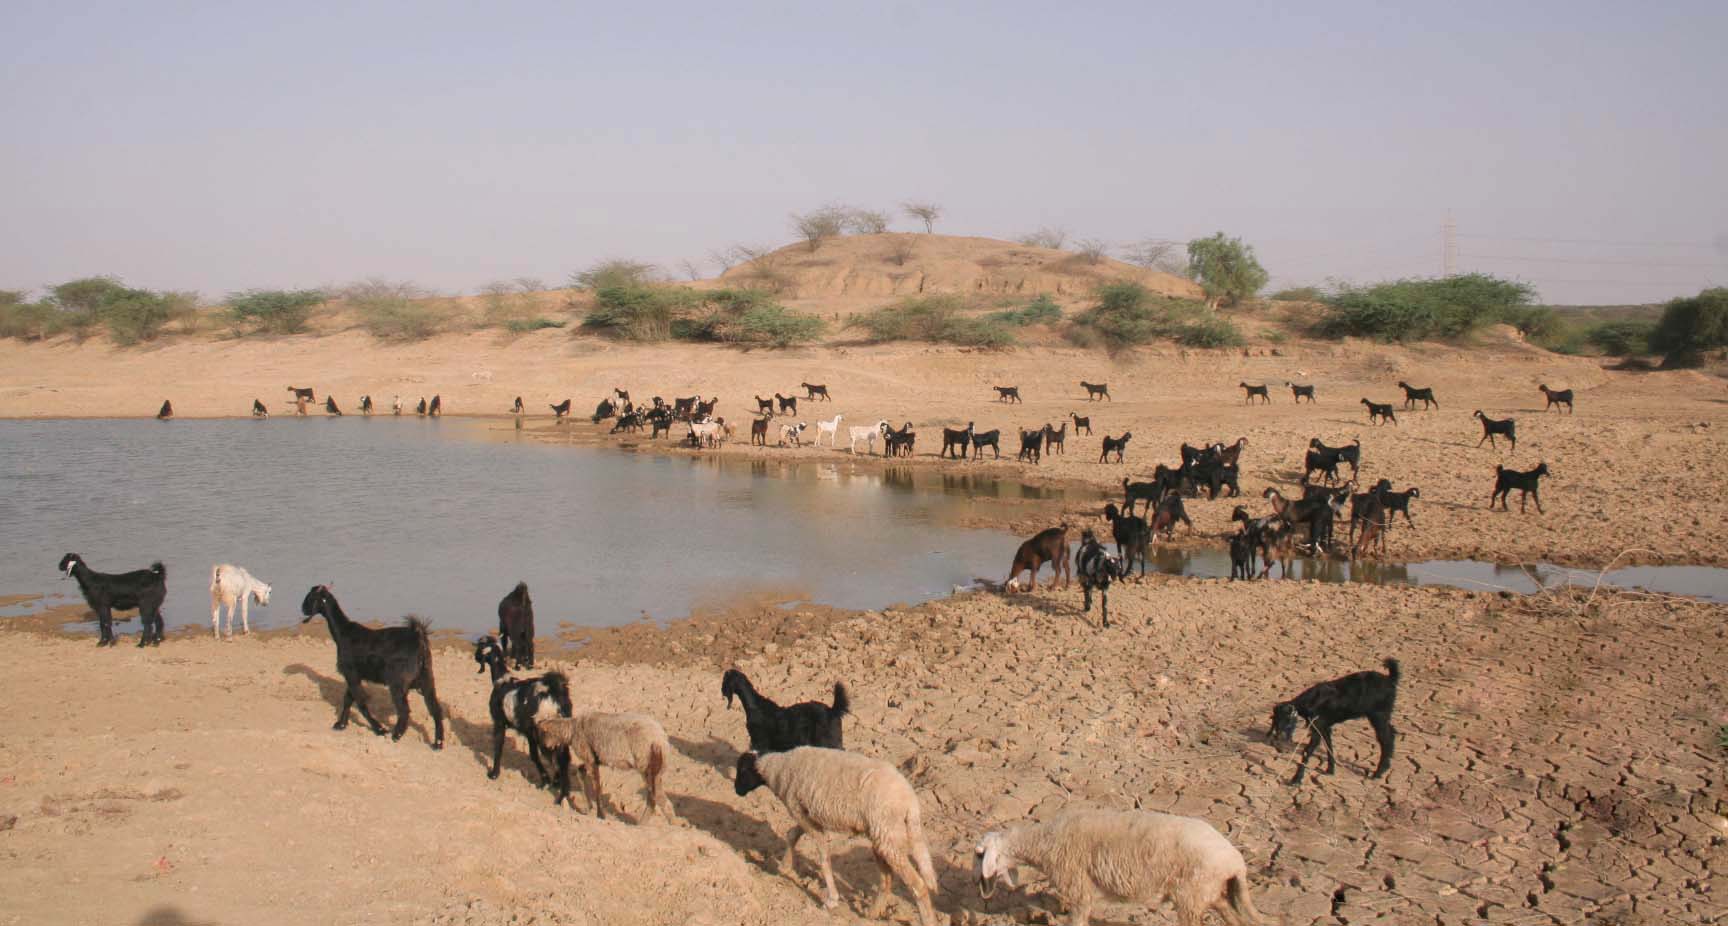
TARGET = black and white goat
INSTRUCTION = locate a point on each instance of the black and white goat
(144, 589)
(1369, 695)
(258, 409)
(399, 658)
(516, 626)
(773, 728)
(1096, 568)
(519, 704)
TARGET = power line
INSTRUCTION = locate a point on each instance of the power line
(1621, 244)
(1594, 260)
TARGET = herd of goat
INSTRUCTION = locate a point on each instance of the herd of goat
(797, 751)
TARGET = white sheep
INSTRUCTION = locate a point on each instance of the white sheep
(830, 791)
(230, 585)
(1125, 856)
(592, 739)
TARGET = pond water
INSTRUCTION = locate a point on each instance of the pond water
(441, 517)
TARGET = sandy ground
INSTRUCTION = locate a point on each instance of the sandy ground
(1638, 468)
(1557, 764)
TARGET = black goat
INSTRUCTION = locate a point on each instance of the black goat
(258, 409)
(1133, 538)
(1320, 459)
(1370, 695)
(1149, 492)
(1412, 395)
(519, 703)
(1055, 439)
(518, 408)
(706, 409)
(1396, 502)
(1215, 475)
(437, 406)
(1382, 412)
(788, 403)
(1371, 502)
(420, 409)
(899, 443)
(516, 626)
(144, 589)
(561, 409)
(765, 406)
(330, 407)
(1505, 480)
(1096, 390)
(1007, 393)
(1081, 424)
(683, 408)
(1301, 392)
(622, 394)
(1031, 446)
(1164, 519)
(1096, 568)
(1505, 427)
(961, 437)
(991, 439)
(1241, 555)
(659, 422)
(1253, 391)
(1114, 445)
(399, 658)
(1264, 534)
(603, 411)
(365, 405)
(1556, 397)
(773, 728)
(629, 421)
(814, 391)
(759, 432)
(302, 394)
(166, 411)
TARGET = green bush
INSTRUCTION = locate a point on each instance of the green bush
(525, 325)
(638, 312)
(937, 319)
(612, 274)
(1226, 269)
(276, 311)
(26, 321)
(1299, 294)
(1040, 311)
(1621, 339)
(1128, 314)
(1690, 326)
(396, 311)
(1423, 309)
(134, 315)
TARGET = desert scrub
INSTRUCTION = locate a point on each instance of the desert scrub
(937, 319)
(1423, 309)
(729, 316)
(275, 311)
(1040, 311)
(396, 311)
(1127, 315)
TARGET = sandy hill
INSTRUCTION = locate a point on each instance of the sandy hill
(899, 264)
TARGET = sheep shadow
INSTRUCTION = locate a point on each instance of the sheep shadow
(716, 753)
(751, 837)
(170, 916)
(333, 690)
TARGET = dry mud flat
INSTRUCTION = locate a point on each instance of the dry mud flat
(1557, 763)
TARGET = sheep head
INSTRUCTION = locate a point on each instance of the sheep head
(993, 864)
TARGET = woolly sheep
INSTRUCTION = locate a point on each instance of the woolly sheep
(621, 741)
(1124, 855)
(830, 791)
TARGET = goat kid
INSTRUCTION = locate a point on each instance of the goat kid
(233, 586)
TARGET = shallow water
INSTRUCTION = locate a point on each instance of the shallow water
(442, 517)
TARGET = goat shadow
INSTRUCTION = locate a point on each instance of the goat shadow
(170, 916)
(477, 737)
(334, 688)
(715, 753)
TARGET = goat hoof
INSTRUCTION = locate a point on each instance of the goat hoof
(339, 725)
(492, 774)
(438, 745)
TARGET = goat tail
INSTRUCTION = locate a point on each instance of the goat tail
(423, 633)
(157, 567)
(1236, 895)
(215, 575)
(1392, 670)
(656, 765)
(842, 701)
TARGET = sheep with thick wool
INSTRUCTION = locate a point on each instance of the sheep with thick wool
(622, 741)
(830, 791)
(1134, 855)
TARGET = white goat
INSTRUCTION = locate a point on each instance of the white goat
(230, 585)
(624, 741)
(868, 435)
(830, 791)
(1124, 855)
(396, 405)
(830, 428)
(709, 433)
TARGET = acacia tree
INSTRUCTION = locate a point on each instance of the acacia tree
(1225, 268)
(867, 222)
(1046, 237)
(818, 225)
(925, 212)
(1093, 249)
(1157, 254)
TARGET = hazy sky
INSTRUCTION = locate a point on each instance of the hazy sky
(219, 146)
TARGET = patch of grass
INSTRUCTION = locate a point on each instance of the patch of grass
(936, 319)
(1127, 315)
(1423, 309)
(525, 325)
(1040, 311)
(1722, 737)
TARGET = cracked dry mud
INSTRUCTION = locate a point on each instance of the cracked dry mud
(1557, 763)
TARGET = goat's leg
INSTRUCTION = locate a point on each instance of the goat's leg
(498, 751)
(1307, 751)
(1104, 604)
(1387, 736)
(1326, 734)
(432, 707)
(245, 617)
(216, 617)
(1537, 495)
(357, 696)
(399, 698)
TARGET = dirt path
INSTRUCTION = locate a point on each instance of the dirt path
(1556, 764)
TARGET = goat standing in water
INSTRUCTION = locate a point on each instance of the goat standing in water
(233, 586)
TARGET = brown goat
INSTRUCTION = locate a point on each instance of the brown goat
(1049, 546)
